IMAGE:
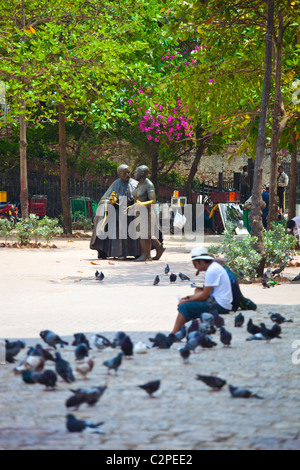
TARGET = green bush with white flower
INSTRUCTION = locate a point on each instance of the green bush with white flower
(241, 256)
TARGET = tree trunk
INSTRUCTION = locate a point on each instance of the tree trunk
(293, 180)
(64, 184)
(278, 110)
(23, 164)
(257, 202)
(188, 186)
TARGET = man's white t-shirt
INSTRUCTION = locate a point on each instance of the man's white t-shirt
(296, 229)
(217, 277)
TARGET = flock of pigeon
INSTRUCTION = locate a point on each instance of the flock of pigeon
(33, 371)
(197, 334)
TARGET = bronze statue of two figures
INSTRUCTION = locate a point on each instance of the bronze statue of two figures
(125, 224)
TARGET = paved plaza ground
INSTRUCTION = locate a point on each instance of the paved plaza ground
(56, 289)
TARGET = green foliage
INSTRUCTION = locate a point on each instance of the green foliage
(33, 227)
(241, 256)
(81, 222)
(239, 253)
(279, 245)
(6, 227)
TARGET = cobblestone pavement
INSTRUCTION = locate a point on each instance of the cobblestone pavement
(56, 289)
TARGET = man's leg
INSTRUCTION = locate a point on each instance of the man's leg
(179, 322)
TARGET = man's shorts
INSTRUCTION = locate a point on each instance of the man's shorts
(193, 310)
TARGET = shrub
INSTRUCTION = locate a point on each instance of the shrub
(81, 222)
(279, 245)
(6, 227)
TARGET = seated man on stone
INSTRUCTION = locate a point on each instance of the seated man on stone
(293, 227)
(216, 294)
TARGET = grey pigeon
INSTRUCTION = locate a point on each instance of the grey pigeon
(167, 269)
(206, 342)
(100, 342)
(113, 363)
(252, 328)
(81, 351)
(99, 276)
(183, 277)
(256, 337)
(173, 278)
(185, 353)
(160, 341)
(194, 340)
(89, 396)
(265, 283)
(49, 379)
(80, 338)
(296, 279)
(237, 392)
(279, 319)
(181, 334)
(64, 369)
(151, 387)
(78, 425)
(156, 280)
(119, 336)
(239, 320)
(52, 339)
(127, 347)
(216, 383)
(12, 349)
(272, 333)
(225, 337)
(207, 318)
(30, 377)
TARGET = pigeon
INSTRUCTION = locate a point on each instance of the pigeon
(194, 340)
(80, 338)
(52, 339)
(218, 320)
(239, 320)
(296, 279)
(31, 377)
(272, 333)
(81, 395)
(160, 341)
(167, 269)
(237, 392)
(277, 271)
(78, 425)
(140, 348)
(173, 278)
(156, 281)
(225, 337)
(113, 363)
(99, 276)
(206, 342)
(127, 347)
(118, 339)
(265, 284)
(252, 328)
(183, 277)
(12, 349)
(256, 337)
(194, 326)
(216, 383)
(33, 363)
(151, 387)
(39, 351)
(100, 342)
(267, 274)
(207, 318)
(185, 353)
(49, 379)
(64, 369)
(181, 334)
(85, 367)
(81, 351)
(279, 319)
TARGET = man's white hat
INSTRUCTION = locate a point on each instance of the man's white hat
(201, 253)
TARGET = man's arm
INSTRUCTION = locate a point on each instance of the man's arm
(198, 296)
